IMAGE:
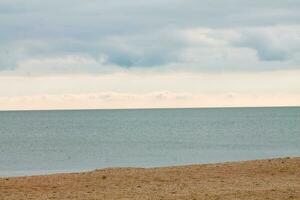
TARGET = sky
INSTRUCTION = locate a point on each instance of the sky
(90, 54)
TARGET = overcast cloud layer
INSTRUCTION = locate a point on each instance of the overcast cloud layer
(101, 36)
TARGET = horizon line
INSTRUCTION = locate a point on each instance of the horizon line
(149, 108)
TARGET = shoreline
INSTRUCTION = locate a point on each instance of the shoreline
(276, 178)
(33, 173)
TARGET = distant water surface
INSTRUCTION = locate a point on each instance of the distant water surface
(40, 142)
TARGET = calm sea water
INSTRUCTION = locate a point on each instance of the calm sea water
(39, 142)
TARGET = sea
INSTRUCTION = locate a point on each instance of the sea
(45, 142)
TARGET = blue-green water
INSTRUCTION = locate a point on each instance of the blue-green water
(38, 142)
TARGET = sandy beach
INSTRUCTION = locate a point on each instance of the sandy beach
(259, 179)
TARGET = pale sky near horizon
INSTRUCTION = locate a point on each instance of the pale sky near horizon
(75, 54)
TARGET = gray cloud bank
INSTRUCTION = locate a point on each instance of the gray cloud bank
(69, 36)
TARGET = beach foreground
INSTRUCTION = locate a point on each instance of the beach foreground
(260, 179)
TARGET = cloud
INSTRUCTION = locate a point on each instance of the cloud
(7, 60)
(248, 49)
(195, 49)
(165, 35)
(149, 100)
(151, 89)
(272, 43)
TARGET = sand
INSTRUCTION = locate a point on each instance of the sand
(260, 179)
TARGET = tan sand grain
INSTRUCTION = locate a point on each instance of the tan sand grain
(261, 179)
